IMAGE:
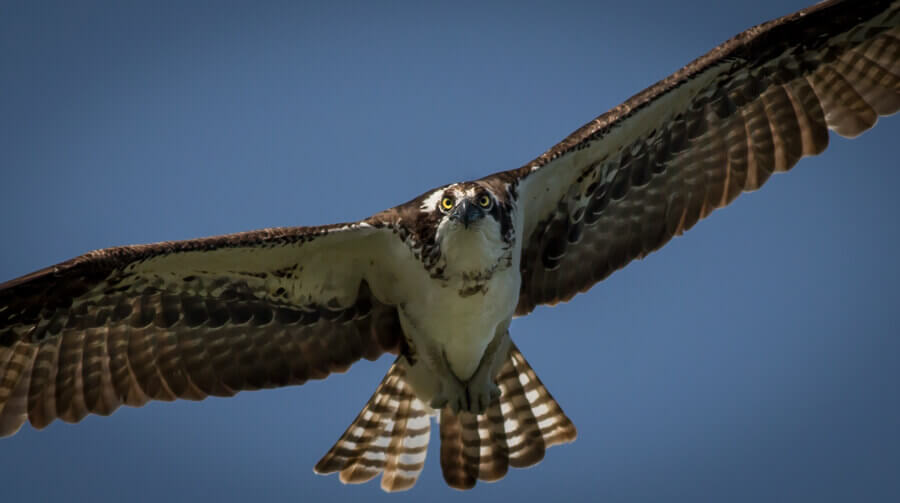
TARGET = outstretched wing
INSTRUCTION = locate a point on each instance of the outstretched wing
(194, 318)
(627, 182)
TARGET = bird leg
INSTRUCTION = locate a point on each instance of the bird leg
(480, 390)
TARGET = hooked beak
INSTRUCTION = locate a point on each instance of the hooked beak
(467, 213)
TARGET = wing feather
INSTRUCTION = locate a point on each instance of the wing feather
(191, 319)
(626, 183)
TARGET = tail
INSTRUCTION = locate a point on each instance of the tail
(391, 433)
(514, 431)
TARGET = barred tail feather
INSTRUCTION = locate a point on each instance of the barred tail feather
(514, 431)
(390, 436)
(555, 427)
(494, 465)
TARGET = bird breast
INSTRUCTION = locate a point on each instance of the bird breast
(459, 322)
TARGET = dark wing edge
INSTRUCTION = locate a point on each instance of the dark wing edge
(188, 319)
(624, 184)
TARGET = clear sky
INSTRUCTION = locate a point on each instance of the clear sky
(755, 359)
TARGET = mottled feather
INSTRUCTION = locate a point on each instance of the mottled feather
(624, 184)
(188, 320)
(276, 307)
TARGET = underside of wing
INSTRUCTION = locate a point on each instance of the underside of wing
(190, 319)
(626, 183)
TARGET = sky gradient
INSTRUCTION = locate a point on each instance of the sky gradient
(755, 359)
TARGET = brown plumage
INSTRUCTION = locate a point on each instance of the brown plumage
(768, 98)
(390, 435)
(98, 332)
(514, 431)
(277, 307)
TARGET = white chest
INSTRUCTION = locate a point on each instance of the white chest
(455, 316)
(461, 323)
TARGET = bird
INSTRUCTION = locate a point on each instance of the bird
(438, 279)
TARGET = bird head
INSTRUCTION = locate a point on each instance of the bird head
(469, 208)
(474, 227)
(467, 211)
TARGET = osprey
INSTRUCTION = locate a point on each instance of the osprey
(438, 279)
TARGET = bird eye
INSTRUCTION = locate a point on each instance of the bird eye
(447, 203)
(484, 201)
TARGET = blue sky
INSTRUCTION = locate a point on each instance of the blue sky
(757, 358)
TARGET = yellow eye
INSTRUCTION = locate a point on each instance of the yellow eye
(447, 203)
(484, 201)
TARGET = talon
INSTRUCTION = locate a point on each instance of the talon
(438, 402)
